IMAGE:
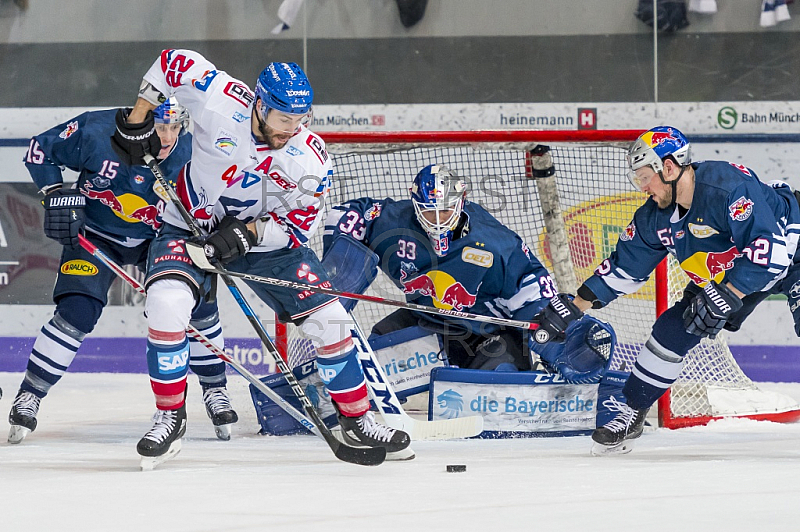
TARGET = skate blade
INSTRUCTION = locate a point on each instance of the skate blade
(399, 456)
(624, 447)
(223, 432)
(17, 433)
(148, 463)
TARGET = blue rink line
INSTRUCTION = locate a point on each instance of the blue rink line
(124, 355)
(762, 363)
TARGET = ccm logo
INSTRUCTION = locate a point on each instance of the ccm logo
(485, 259)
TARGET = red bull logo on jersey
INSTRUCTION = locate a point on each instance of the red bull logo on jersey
(703, 267)
(441, 287)
(373, 212)
(71, 128)
(628, 233)
(128, 207)
(741, 209)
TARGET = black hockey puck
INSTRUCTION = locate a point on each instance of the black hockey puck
(456, 468)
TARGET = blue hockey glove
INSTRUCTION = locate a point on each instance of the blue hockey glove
(64, 215)
(554, 319)
(132, 141)
(706, 314)
(583, 357)
(230, 241)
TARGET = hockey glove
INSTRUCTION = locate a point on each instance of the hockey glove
(555, 318)
(706, 314)
(64, 215)
(230, 241)
(132, 141)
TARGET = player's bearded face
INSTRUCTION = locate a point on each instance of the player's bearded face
(651, 184)
(168, 133)
(276, 128)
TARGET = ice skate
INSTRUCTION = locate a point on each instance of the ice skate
(220, 411)
(366, 431)
(22, 417)
(163, 441)
(618, 435)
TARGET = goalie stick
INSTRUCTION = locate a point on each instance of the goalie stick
(200, 260)
(392, 410)
(346, 453)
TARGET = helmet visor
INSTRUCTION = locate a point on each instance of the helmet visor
(641, 177)
(283, 123)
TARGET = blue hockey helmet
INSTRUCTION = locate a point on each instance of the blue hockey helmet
(438, 196)
(653, 146)
(285, 87)
(171, 112)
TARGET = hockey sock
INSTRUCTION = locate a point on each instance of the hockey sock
(53, 351)
(208, 367)
(343, 377)
(167, 364)
(655, 370)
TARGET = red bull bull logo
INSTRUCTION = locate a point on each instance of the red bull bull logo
(71, 128)
(441, 287)
(704, 267)
(128, 207)
(373, 212)
(741, 209)
(628, 233)
(654, 138)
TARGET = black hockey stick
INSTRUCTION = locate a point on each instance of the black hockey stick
(198, 256)
(346, 453)
(200, 337)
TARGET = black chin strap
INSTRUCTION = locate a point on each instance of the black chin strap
(673, 185)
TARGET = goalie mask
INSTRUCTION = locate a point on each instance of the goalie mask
(650, 150)
(438, 196)
(284, 96)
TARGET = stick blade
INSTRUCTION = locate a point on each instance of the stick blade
(366, 456)
(445, 429)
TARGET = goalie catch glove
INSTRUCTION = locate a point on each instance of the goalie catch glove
(64, 215)
(133, 141)
(709, 310)
(554, 319)
(230, 241)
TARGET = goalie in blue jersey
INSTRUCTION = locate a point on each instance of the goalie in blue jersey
(446, 252)
(734, 236)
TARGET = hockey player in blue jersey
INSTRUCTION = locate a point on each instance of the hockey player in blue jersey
(119, 208)
(446, 252)
(733, 235)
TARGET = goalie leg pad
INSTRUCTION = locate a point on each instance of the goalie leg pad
(583, 357)
(352, 267)
(274, 420)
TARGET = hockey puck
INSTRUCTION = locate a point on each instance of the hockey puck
(456, 468)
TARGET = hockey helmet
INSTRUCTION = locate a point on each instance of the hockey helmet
(438, 196)
(652, 147)
(285, 88)
(171, 112)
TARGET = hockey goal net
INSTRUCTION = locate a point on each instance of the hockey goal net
(571, 221)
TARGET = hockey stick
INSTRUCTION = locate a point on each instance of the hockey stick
(346, 453)
(391, 408)
(200, 260)
(200, 337)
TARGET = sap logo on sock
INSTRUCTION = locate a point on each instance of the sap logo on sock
(173, 363)
(328, 372)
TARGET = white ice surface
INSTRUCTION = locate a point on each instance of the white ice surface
(79, 472)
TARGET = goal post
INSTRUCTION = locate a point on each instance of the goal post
(571, 221)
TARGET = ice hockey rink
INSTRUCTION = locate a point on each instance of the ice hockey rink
(79, 472)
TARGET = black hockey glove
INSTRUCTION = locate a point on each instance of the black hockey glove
(64, 215)
(554, 319)
(132, 141)
(230, 241)
(706, 314)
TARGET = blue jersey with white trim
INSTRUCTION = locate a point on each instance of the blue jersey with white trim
(489, 270)
(738, 230)
(124, 203)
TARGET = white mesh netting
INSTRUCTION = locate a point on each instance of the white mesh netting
(596, 202)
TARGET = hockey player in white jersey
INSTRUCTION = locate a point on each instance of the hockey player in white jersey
(256, 183)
